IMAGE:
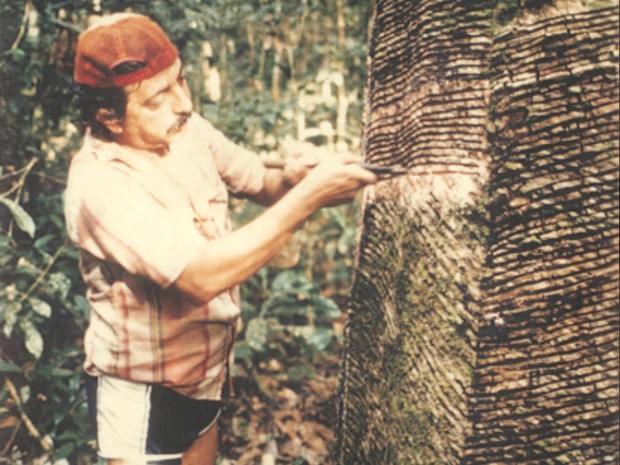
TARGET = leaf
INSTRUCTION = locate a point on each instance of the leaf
(16, 53)
(9, 422)
(243, 351)
(256, 333)
(284, 306)
(292, 282)
(59, 284)
(40, 243)
(82, 306)
(22, 219)
(320, 339)
(40, 307)
(325, 308)
(299, 372)
(32, 338)
(62, 373)
(62, 452)
(6, 367)
(24, 394)
(8, 313)
(50, 371)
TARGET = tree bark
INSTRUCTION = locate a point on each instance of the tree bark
(483, 322)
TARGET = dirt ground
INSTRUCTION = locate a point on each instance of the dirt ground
(274, 419)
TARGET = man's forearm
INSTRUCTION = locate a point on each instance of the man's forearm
(227, 261)
(275, 186)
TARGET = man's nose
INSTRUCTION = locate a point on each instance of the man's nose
(183, 99)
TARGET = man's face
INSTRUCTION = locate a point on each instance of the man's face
(157, 109)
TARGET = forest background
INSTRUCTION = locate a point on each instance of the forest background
(268, 74)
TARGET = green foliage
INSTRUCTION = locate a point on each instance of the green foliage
(294, 312)
(41, 319)
(270, 55)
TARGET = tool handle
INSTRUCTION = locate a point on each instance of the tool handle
(279, 164)
(274, 164)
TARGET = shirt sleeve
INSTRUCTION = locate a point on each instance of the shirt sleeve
(116, 219)
(242, 170)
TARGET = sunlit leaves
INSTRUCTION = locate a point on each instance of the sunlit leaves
(294, 312)
(6, 367)
(22, 219)
(320, 339)
(8, 315)
(42, 308)
(32, 338)
(257, 334)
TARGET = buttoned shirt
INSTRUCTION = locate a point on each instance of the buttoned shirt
(137, 224)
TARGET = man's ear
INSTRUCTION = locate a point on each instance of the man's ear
(109, 119)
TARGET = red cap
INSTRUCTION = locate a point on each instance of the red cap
(117, 39)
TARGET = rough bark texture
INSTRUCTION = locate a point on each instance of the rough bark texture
(483, 324)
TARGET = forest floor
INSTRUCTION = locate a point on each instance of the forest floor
(276, 419)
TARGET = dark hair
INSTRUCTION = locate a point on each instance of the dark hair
(90, 99)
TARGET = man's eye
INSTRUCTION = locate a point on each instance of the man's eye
(181, 79)
(155, 102)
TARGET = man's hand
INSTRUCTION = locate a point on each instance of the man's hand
(336, 180)
(295, 169)
(301, 157)
(228, 260)
(328, 172)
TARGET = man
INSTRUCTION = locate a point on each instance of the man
(146, 205)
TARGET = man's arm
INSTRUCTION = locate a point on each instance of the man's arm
(278, 182)
(301, 158)
(227, 261)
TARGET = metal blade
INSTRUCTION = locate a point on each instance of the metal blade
(394, 170)
(389, 171)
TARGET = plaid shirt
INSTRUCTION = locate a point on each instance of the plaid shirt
(137, 227)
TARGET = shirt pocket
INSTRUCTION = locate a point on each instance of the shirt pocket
(212, 220)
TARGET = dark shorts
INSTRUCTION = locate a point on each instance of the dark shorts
(146, 423)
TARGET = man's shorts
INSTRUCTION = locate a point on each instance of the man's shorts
(146, 423)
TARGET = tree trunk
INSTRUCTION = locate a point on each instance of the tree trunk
(483, 323)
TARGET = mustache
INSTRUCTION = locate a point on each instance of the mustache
(179, 123)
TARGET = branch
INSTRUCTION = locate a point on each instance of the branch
(34, 432)
(66, 25)
(22, 179)
(22, 28)
(18, 187)
(44, 273)
(5, 451)
(52, 179)
(20, 183)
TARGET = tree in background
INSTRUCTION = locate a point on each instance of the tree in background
(268, 73)
(484, 310)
